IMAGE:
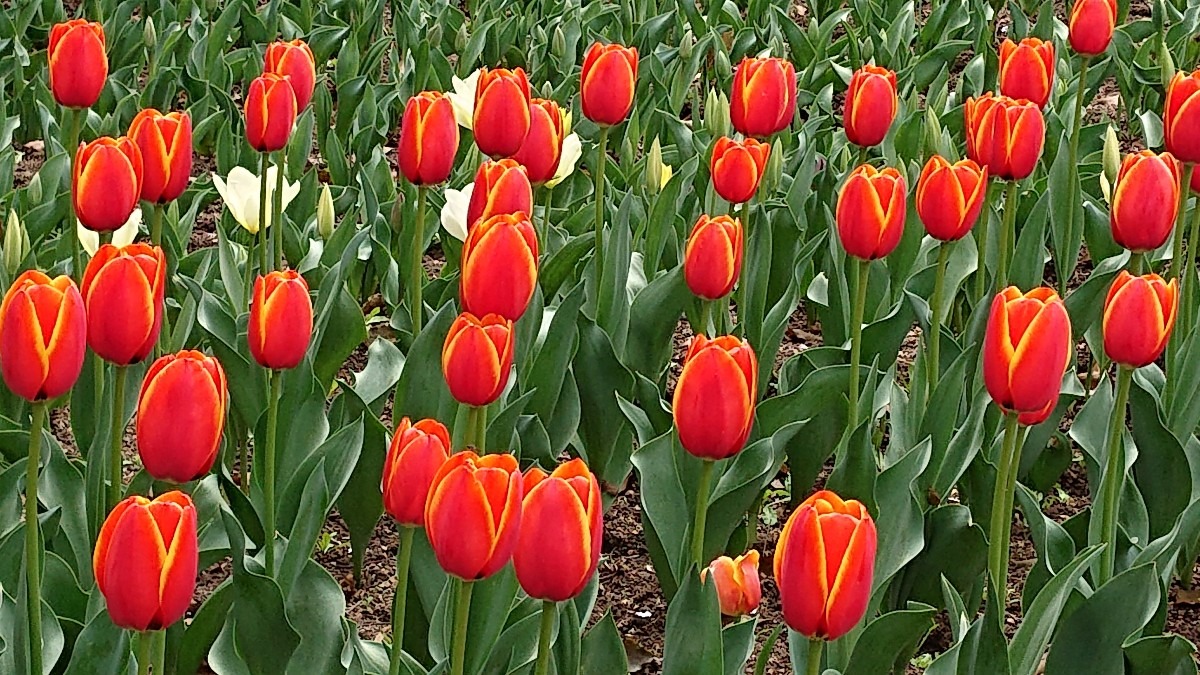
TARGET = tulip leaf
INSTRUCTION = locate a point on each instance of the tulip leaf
(1163, 475)
(421, 391)
(737, 644)
(360, 504)
(693, 641)
(101, 649)
(1161, 655)
(900, 513)
(203, 629)
(1029, 642)
(607, 440)
(315, 605)
(889, 640)
(1091, 638)
(652, 320)
(602, 651)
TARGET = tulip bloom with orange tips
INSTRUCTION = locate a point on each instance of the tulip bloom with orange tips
(712, 260)
(1027, 70)
(180, 416)
(107, 182)
(1181, 117)
(738, 588)
(1139, 314)
(543, 146)
(294, 60)
(1090, 26)
(499, 266)
(870, 212)
(123, 290)
(477, 357)
(737, 167)
(500, 187)
(43, 336)
(950, 197)
(165, 144)
(281, 320)
(1145, 200)
(870, 105)
(501, 117)
(1004, 134)
(77, 62)
(271, 110)
(561, 532)
(607, 83)
(763, 101)
(428, 139)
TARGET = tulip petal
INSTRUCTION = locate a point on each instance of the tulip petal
(460, 525)
(850, 592)
(800, 573)
(553, 558)
(133, 569)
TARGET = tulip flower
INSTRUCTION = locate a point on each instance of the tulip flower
(499, 266)
(763, 100)
(1145, 200)
(462, 97)
(281, 320)
(240, 192)
(146, 560)
(1139, 314)
(870, 212)
(713, 406)
(562, 525)
(737, 167)
(870, 105)
(712, 260)
(824, 565)
(180, 416)
(950, 197)
(270, 112)
(416, 452)
(77, 63)
(107, 182)
(473, 515)
(1181, 117)
(477, 357)
(428, 139)
(501, 116)
(1004, 135)
(1027, 70)
(295, 61)
(122, 236)
(165, 144)
(123, 290)
(1026, 348)
(43, 336)
(542, 149)
(500, 187)
(1090, 26)
(738, 589)
(607, 83)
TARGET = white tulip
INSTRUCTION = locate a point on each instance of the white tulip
(572, 149)
(454, 213)
(122, 236)
(462, 99)
(240, 192)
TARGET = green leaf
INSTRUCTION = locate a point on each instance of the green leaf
(1161, 655)
(888, 640)
(1032, 636)
(603, 652)
(1091, 639)
(737, 644)
(101, 649)
(693, 640)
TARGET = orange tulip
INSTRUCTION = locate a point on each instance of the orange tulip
(764, 96)
(1027, 70)
(415, 455)
(107, 182)
(712, 261)
(1145, 200)
(870, 212)
(78, 64)
(824, 565)
(146, 560)
(562, 529)
(270, 112)
(607, 83)
(281, 320)
(1139, 314)
(714, 397)
(43, 336)
(543, 145)
(500, 187)
(870, 105)
(123, 290)
(476, 358)
(295, 61)
(180, 416)
(950, 197)
(1090, 26)
(473, 516)
(501, 118)
(1181, 117)
(499, 266)
(737, 167)
(165, 143)
(1026, 348)
(738, 588)
(1004, 135)
(428, 139)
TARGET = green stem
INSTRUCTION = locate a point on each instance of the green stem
(864, 156)
(815, 647)
(277, 210)
(1074, 148)
(145, 647)
(1002, 496)
(549, 609)
(462, 615)
(981, 239)
(403, 558)
(1113, 478)
(416, 272)
(706, 473)
(1007, 234)
(97, 387)
(476, 436)
(156, 220)
(1180, 219)
(117, 435)
(1187, 277)
(601, 162)
(706, 320)
(860, 275)
(33, 561)
(244, 465)
(935, 318)
(543, 232)
(69, 228)
(160, 651)
(1137, 260)
(269, 468)
(264, 236)
(743, 288)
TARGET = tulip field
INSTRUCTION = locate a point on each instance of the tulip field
(415, 337)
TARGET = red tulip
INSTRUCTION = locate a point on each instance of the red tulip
(500, 187)
(42, 336)
(737, 167)
(562, 527)
(78, 64)
(107, 182)
(1004, 135)
(608, 82)
(542, 150)
(870, 105)
(473, 516)
(712, 261)
(123, 290)
(416, 453)
(1027, 70)
(738, 588)
(428, 139)
(295, 61)
(1139, 314)
(501, 118)
(870, 212)
(764, 96)
(1145, 200)
(1181, 117)
(180, 416)
(499, 266)
(165, 144)
(714, 397)
(1026, 348)
(950, 197)
(270, 112)
(281, 320)
(1090, 26)
(476, 358)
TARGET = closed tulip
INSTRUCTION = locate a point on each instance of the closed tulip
(763, 101)
(738, 588)
(870, 212)
(165, 144)
(107, 182)
(1181, 117)
(500, 187)
(870, 105)
(499, 266)
(270, 112)
(1090, 26)
(713, 406)
(737, 167)
(1139, 314)
(501, 117)
(607, 83)
(950, 197)
(1004, 135)
(473, 516)
(146, 560)
(543, 146)
(281, 320)
(824, 565)
(562, 529)
(43, 336)
(428, 139)
(77, 63)
(1026, 348)
(180, 416)
(712, 260)
(416, 453)
(294, 60)
(123, 290)
(1145, 200)
(476, 358)
(1027, 70)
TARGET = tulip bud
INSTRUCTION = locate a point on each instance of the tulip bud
(461, 38)
(149, 36)
(270, 112)
(1139, 314)
(501, 117)
(1004, 135)
(1166, 64)
(654, 168)
(281, 320)
(774, 173)
(473, 515)
(1112, 155)
(712, 260)
(933, 129)
(16, 244)
(165, 144)
(738, 588)
(824, 565)
(1026, 347)
(42, 336)
(607, 83)
(180, 416)
(500, 187)
(1145, 200)
(416, 453)
(1027, 70)
(325, 214)
(562, 529)
(433, 34)
(295, 61)
(870, 212)
(737, 167)
(477, 357)
(721, 60)
(716, 114)
(950, 197)
(33, 191)
(870, 105)
(77, 63)
(713, 406)
(558, 42)
(428, 139)
(499, 266)
(107, 182)
(763, 101)
(123, 290)
(687, 45)
(1090, 26)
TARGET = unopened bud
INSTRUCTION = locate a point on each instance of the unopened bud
(16, 244)
(933, 129)
(325, 215)
(716, 114)
(654, 167)
(687, 45)
(149, 35)
(434, 34)
(558, 42)
(774, 172)
(1112, 155)
(461, 38)
(1166, 64)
